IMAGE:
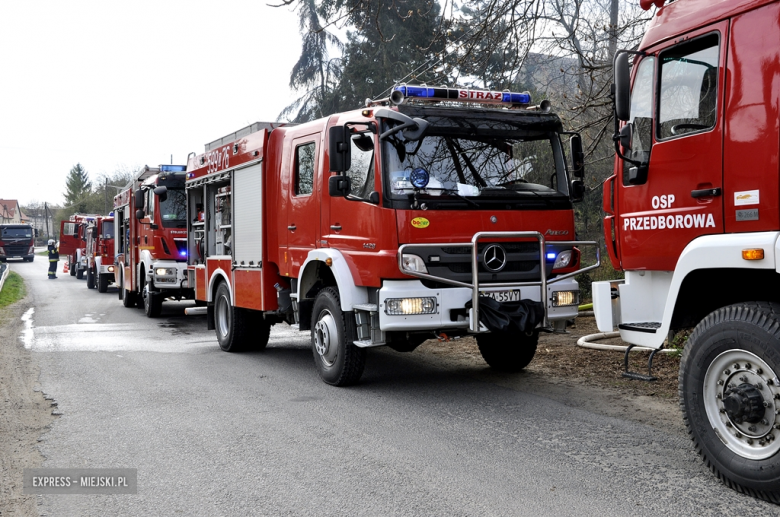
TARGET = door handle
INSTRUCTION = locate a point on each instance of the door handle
(335, 227)
(706, 192)
(292, 228)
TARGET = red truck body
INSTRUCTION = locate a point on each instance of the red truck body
(73, 242)
(283, 239)
(693, 219)
(100, 253)
(151, 237)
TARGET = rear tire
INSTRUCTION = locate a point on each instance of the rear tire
(90, 279)
(79, 273)
(128, 297)
(339, 362)
(238, 330)
(507, 352)
(102, 283)
(729, 395)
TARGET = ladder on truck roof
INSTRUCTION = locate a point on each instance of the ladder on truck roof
(248, 130)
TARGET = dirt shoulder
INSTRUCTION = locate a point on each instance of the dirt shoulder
(579, 377)
(24, 413)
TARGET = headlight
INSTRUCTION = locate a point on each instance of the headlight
(563, 259)
(165, 271)
(408, 306)
(565, 298)
(110, 269)
(413, 263)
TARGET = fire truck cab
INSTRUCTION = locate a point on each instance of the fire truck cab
(100, 253)
(388, 226)
(150, 219)
(693, 219)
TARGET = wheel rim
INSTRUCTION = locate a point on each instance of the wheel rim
(326, 337)
(742, 400)
(222, 316)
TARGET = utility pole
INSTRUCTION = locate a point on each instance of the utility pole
(105, 196)
(46, 218)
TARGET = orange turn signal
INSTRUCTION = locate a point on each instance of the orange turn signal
(329, 261)
(753, 254)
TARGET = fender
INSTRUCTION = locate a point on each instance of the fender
(349, 293)
(216, 275)
(706, 252)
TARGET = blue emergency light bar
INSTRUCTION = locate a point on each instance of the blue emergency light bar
(173, 168)
(460, 95)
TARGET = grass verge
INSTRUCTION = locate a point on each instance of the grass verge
(13, 290)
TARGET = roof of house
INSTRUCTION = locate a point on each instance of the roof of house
(8, 209)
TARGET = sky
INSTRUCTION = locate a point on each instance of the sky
(116, 85)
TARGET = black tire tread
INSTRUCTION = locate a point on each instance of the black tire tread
(766, 316)
(102, 286)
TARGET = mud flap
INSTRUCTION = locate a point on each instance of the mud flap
(210, 318)
(520, 316)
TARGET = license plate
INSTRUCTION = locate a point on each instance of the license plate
(503, 296)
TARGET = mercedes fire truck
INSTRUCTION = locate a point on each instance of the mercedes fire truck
(434, 213)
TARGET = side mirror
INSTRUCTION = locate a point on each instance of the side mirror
(161, 192)
(373, 197)
(627, 136)
(622, 88)
(577, 156)
(339, 149)
(139, 199)
(339, 186)
(577, 190)
(139, 214)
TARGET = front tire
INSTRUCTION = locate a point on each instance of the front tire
(90, 279)
(152, 301)
(339, 362)
(730, 394)
(71, 268)
(508, 352)
(102, 283)
(79, 273)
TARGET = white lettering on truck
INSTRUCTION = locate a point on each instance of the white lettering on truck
(667, 222)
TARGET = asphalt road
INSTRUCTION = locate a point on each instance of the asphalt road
(213, 433)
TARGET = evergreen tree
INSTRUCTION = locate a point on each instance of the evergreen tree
(77, 188)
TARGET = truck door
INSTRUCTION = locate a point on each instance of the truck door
(351, 226)
(676, 110)
(303, 208)
(69, 237)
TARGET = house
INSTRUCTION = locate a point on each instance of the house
(11, 212)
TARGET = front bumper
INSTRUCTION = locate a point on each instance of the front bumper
(451, 303)
(174, 275)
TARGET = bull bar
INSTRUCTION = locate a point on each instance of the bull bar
(474, 326)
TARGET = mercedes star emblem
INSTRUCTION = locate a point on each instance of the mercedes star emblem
(494, 258)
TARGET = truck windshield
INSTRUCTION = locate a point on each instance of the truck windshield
(17, 233)
(486, 164)
(173, 211)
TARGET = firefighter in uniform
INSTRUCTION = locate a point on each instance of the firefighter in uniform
(54, 257)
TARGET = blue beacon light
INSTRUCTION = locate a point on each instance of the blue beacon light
(551, 255)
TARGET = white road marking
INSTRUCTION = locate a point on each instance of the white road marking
(27, 333)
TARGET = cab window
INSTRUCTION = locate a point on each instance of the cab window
(689, 88)
(641, 116)
(304, 169)
(361, 170)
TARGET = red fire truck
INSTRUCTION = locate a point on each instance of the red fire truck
(693, 219)
(100, 253)
(390, 225)
(17, 241)
(73, 242)
(151, 239)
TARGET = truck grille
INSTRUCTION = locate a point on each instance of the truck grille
(16, 250)
(454, 262)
